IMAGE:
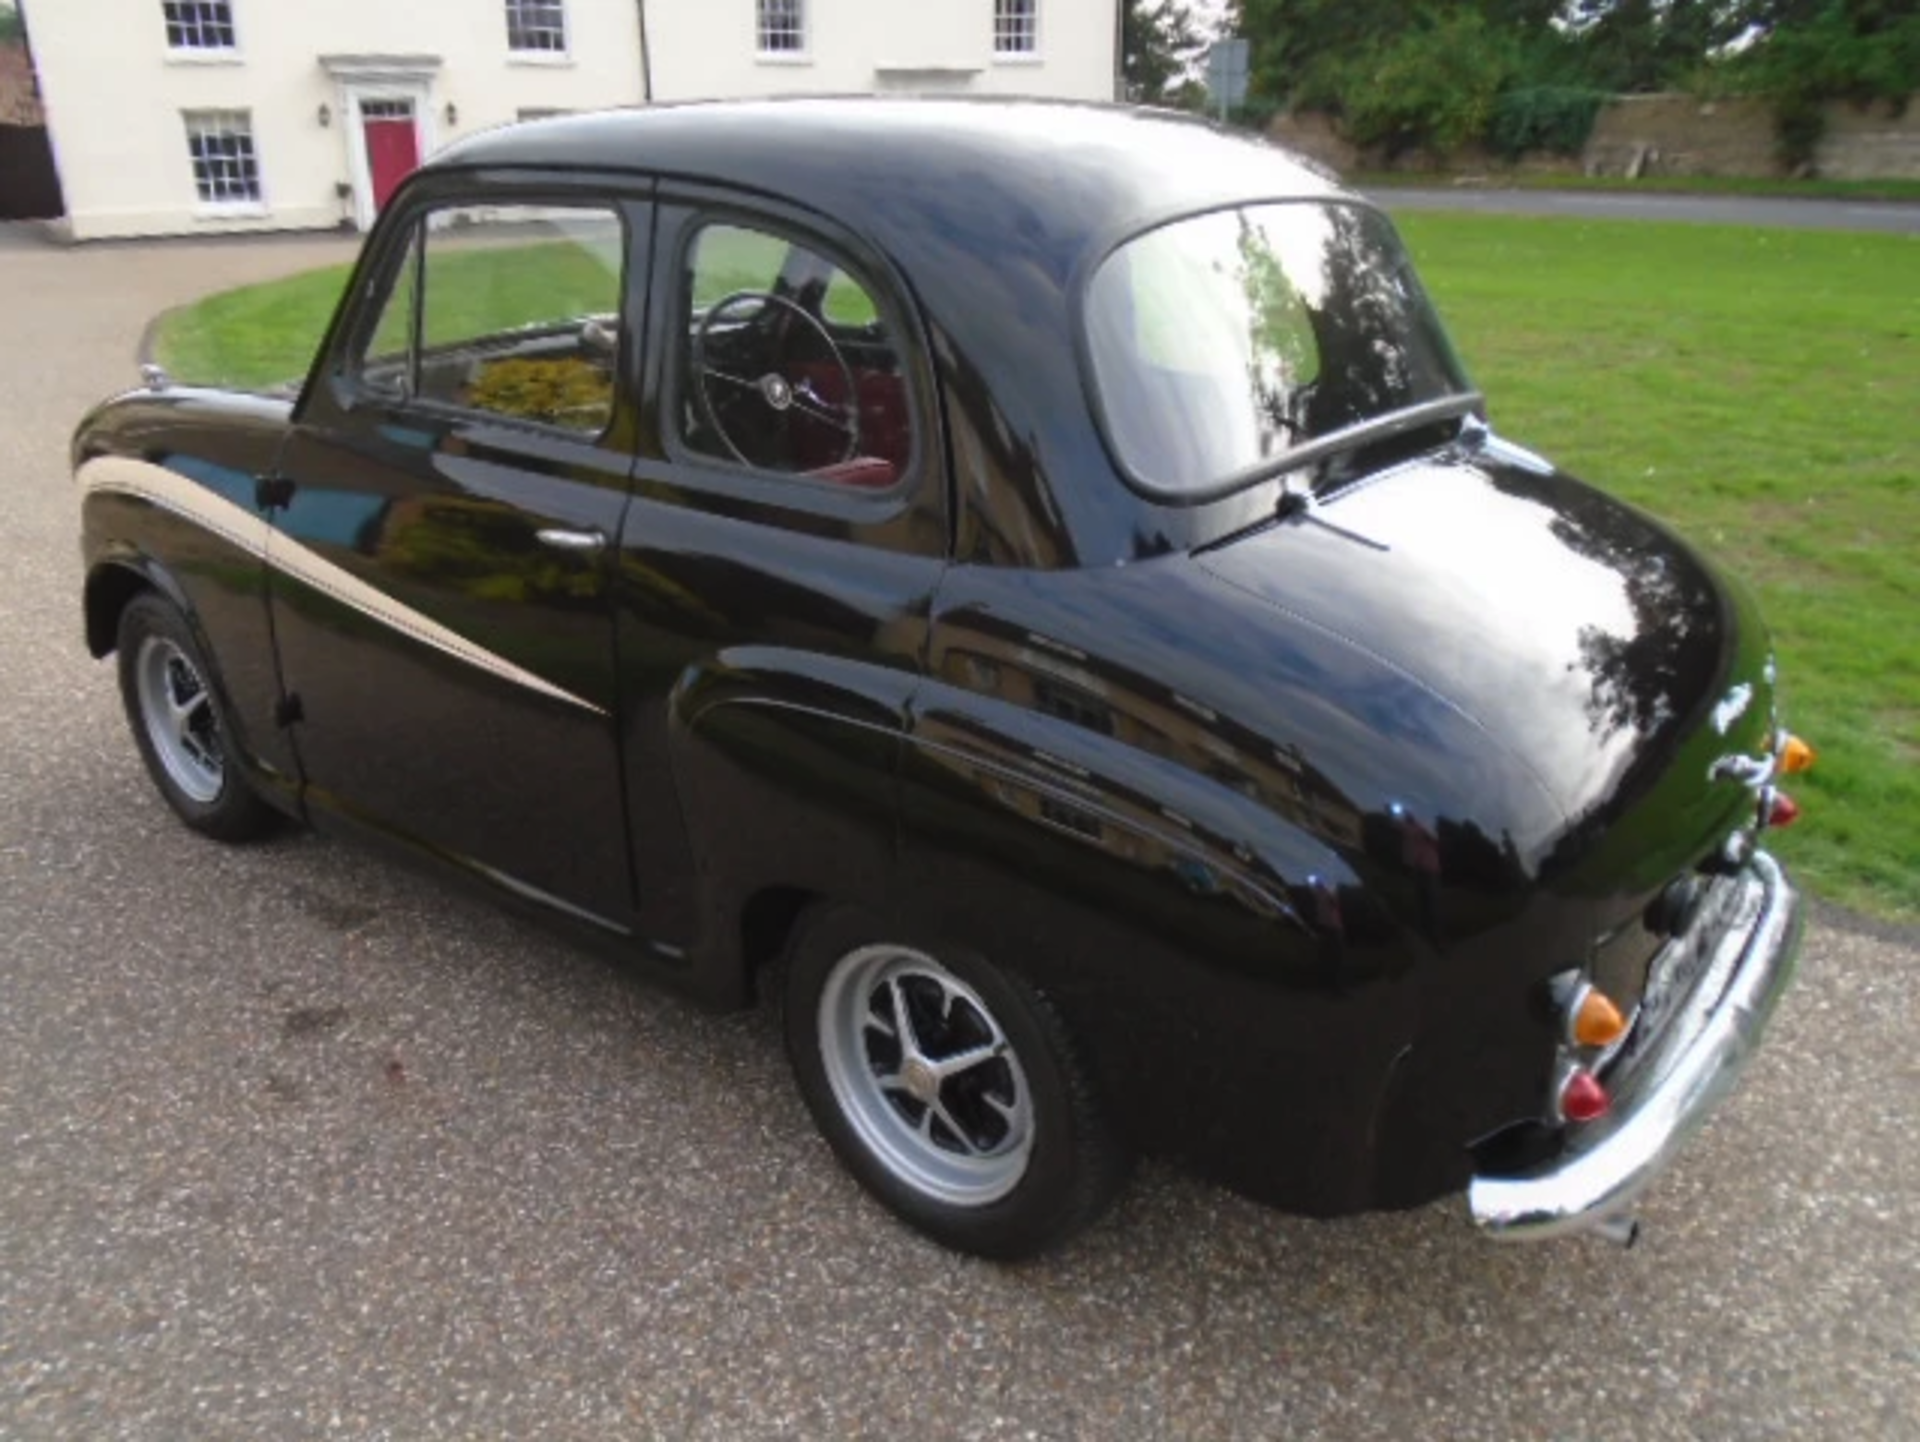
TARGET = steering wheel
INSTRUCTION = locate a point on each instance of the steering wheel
(724, 394)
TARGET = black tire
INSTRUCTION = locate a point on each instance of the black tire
(1059, 1163)
(201, 777)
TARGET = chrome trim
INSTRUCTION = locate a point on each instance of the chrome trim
(1750, 771)
(1732, 707)
(1623, 1232)
(249, 532)
(1663, 1097)
(565, 540)
(1569, 991)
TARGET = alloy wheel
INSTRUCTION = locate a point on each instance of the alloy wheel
(177, 711)
(925, 1075)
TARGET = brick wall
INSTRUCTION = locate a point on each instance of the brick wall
(1680, 135)
(1871, 144)
(19, 101)
(1675, 135)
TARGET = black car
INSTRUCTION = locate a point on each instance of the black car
(1030, 590)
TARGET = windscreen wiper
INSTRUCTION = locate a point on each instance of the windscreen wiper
(1302, 505)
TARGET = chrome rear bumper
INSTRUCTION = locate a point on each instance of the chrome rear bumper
(1664, 1095)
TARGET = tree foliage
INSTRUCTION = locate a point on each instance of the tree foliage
(12, 28)
(1522, 74)
(1396, 98)
(1858, 50)
(1159, 43)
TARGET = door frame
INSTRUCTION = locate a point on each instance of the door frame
(372, 77)
(337, 410)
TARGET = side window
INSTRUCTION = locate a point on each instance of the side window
(787, 364)
(506, 310)
(387, 366)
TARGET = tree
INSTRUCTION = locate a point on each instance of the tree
(1808, 53)
(12, 28)
(1635, 45)
(1159, 42)
(1297, 43)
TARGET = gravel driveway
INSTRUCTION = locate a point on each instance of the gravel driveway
(292, 1144)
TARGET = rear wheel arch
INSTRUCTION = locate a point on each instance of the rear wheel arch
(1067, 1167)
(767, 924)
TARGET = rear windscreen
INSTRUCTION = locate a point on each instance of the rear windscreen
(1225, 339)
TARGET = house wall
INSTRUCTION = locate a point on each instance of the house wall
(114, 95)
(706, 48)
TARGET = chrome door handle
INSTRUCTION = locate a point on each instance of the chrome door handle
(563, 540)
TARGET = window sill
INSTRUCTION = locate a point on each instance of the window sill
(782, 57)
(1019, 57)
(231, 210)
(205, 57)
(545, 59)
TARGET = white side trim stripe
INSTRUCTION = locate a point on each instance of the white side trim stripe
(249, 532)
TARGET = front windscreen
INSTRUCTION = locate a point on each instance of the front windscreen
(1225, 340)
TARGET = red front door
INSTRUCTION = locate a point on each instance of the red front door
(393, 151)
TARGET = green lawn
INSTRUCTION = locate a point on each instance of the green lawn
(1758, 388)
(1761, 390)
(258, 335)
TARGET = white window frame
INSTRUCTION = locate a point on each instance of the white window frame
(539, 17)
(1013, 21)
(204, 123)
(781, 18)
(204, 13)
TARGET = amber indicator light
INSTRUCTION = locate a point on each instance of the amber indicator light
(1796, 756)
(1597, 1021)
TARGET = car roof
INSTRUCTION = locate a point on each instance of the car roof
(1089, 166)
(992, 210)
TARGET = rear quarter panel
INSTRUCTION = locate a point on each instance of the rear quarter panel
(1174, 815)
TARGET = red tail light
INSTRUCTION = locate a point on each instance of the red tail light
(1582, 1098)
(1783, 810)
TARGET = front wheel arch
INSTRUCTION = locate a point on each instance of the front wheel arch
(111, 587)
(169, 682)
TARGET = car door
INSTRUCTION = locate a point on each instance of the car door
(775, 569)
(441, 553)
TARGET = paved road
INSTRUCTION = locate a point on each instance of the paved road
(296, 1146)
(1899, 217)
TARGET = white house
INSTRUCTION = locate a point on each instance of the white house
(192, 116)
(1061, 48)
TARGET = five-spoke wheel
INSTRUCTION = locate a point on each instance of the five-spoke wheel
(173, 708)
(178, 713)
(925, 1074)
(950, 1088)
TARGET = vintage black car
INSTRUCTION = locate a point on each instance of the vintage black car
(1031, 590)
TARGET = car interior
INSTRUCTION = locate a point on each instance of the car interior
(795, 372)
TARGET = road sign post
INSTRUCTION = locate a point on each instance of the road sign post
(1227, 65)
